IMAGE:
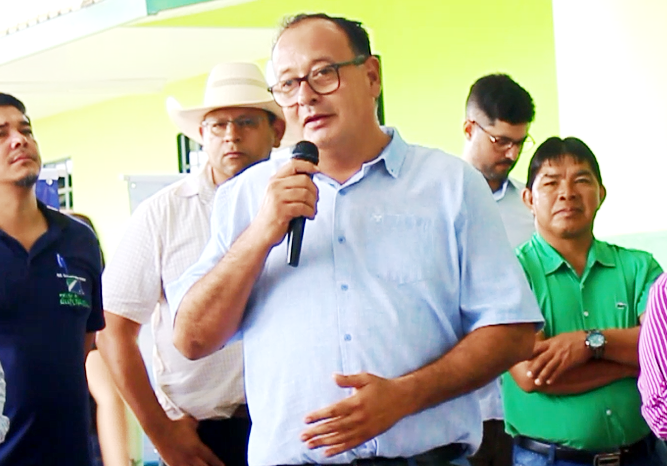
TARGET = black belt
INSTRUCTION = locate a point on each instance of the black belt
(596, 458)
(442, 454)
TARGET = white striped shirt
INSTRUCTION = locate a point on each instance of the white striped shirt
(653, 359)
(4, 421)
(166, 235)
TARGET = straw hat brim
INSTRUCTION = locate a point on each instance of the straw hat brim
(189, 120)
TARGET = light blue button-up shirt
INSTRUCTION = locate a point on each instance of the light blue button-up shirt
(400, 263)
(517, 218)
(519, 226)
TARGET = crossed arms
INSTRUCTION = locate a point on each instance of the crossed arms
(563, 365)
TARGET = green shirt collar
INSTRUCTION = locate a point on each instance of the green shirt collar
(552, 260)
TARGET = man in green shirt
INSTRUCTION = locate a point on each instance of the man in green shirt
(576, 402)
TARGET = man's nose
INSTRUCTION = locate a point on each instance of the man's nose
(513, 152)
(566, 190)
(17, 139)
(231, 132)
(306, 94)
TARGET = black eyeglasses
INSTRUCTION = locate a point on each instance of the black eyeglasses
(323, 80)
(503, 143)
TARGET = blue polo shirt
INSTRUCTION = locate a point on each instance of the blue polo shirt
(50, 297)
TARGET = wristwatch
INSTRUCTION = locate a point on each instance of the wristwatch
(595, 341)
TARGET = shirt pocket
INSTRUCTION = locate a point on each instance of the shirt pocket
(400, 247)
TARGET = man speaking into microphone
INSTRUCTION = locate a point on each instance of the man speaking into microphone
(407, 295)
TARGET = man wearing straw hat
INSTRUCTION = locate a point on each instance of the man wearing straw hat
(197, 414)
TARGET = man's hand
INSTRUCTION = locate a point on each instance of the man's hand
(553, 356)
(181, 445)
(291, 193)
(375, 406)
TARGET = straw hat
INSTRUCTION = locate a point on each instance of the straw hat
(228, 85)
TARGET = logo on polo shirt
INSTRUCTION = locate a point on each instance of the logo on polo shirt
(74, 284)
(74, 296)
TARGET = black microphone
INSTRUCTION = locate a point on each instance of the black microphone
(304, 150)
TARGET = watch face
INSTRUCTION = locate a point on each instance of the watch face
(596, 340)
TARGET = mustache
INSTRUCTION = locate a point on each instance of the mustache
(506, 162)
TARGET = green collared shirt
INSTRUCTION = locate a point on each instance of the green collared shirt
(611, 293)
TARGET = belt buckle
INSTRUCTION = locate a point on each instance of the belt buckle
(607, 459)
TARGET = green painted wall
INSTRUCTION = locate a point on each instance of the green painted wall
(130, 135)
(431, 54)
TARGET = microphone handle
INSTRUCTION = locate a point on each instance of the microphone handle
(294, 240)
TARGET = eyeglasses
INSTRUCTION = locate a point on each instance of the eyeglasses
(324, 80)
(503, 144)
(243, 123)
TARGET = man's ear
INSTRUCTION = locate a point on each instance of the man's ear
(278, 127)
(373, 73)
(467, 129)
(603, 194)
(527, 198)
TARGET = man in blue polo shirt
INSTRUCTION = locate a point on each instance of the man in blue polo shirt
(50, 307)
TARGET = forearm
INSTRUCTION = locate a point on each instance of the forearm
(112, 428)
(621, 346)
(112, 431)
(476, 360)
(212, 310)
(123, 359)
(579, 379)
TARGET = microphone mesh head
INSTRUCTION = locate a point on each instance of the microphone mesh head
(306, 150)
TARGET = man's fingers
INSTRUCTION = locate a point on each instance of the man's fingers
(323, 427)
(352, 381)
(546, 372)
(556, 374)
(330, 412)
(295, 167)
(298, 195)
(536, 365)
(333, 439)
(540, 347)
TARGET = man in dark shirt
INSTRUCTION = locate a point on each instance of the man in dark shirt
(50, 308)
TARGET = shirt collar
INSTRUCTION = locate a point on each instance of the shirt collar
(393, 155)
(601, 253)
(200, 183)
(499, 193)
(53, 217)
(508, 185)
(598, 253)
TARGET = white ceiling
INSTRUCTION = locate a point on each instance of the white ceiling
(124, 61)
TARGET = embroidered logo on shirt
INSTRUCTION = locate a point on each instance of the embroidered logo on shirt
(74, 296)
(620, 305)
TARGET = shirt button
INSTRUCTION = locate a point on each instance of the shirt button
(343, 287)
(341, 239)
(348, 337)
(608, 412)
(585, 313)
